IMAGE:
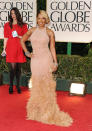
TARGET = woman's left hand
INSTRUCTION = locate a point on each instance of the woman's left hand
(55, 67)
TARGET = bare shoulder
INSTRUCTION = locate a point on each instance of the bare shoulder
(49, 32)
(31, 30)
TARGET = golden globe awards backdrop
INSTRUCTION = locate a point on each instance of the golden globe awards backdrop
(27, 8)
(71, 20)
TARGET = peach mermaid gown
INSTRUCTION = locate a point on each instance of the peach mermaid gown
(42, 105)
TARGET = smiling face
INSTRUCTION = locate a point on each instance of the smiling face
(41, 21)
(13, 15)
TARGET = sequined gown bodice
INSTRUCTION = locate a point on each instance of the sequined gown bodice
(41, 62)
(40, 44)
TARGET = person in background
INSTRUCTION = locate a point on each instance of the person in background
(42, 105)
(13, 31)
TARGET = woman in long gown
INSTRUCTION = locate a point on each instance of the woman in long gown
(42, 105)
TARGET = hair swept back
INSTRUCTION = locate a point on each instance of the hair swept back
(45, 15)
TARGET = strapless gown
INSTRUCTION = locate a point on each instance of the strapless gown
(42, 105)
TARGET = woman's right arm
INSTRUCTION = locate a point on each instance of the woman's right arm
(4, 47)
(24, 39)
(6, 35)
(5, 43)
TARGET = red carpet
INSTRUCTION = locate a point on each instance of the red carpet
(13, 112)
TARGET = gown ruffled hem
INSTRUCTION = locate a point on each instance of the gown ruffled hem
(42, 104)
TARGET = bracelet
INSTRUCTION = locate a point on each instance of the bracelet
(56, 64)
(27, 53)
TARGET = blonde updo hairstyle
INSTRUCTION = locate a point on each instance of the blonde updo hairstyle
(45, 15)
